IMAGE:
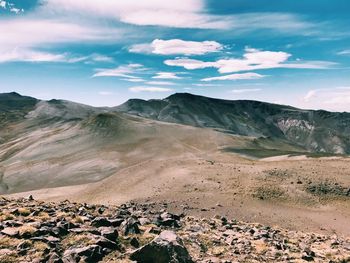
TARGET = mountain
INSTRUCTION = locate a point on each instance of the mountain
(315, 130)
(59, 143)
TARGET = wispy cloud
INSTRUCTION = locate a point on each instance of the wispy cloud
(329, 98)
(249, 75)
(183, 14)
(166, 75)
(253, 59)
(177, 47)
(344, 52)
(149, 89)
(17, 55)
(31, 33)
(124, 71)
(164, 83)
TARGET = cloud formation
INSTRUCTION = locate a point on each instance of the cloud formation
(336, 99)
(253, 59)
(166, 75)
(124, 71)
(177, 47)
(164, 83)
(248, 75)
(182, 14)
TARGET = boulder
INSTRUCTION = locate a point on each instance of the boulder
(101, 221)
(10, 231)
(166, 248)
(92, 253)
(108, 232)
(130, 226)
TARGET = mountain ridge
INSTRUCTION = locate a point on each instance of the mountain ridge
(316, 130)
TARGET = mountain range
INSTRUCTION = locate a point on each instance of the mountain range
(58, 143)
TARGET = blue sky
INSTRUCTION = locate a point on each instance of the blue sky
(104, 52)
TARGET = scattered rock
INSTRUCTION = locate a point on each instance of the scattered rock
(166, 248)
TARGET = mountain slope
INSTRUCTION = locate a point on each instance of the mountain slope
(61, 143)
(317, 131)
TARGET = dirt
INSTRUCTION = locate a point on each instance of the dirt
(274, 193)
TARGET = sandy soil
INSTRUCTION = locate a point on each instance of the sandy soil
(297, 193)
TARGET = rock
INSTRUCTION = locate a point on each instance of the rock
(130, 226)
(135, 242)
(51, 239)
(108, 232)
(10, 231)
(92, 253)
(105, 243)
(54, 258)
(101, 221)
(166, 248)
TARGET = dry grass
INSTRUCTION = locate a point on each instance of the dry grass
(41, 246)
(77, 241)
(43, 216)
(26, 230)
(5, 215)
(78, 220)
(23, 211)
(7, 242)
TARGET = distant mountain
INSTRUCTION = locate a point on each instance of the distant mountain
(316, 131)
(61, 143)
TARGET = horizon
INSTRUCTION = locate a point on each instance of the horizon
(176, 93)
(104, 53)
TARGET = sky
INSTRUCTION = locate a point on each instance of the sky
(105, 52)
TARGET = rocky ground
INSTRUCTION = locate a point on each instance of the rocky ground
(35, 231)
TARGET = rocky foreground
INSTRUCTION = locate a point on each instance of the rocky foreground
(34, 231)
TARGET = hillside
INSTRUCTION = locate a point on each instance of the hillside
(61, 143)
(33, 231)
(316, 131)
(57, 150)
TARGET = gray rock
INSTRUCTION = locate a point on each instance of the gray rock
(92, 253)
(130, 226)
(166, 248)
(10, 231)
(108, 232)
(101, 221)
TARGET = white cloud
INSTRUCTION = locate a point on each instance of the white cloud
(31, 33)
(17, 55)
(124, 71)
(2, 4)
(248, 75)
(176, 47)
(166, 75)
(32, 55)
(206, 85)
(188, 63)
(164, 83)
(240, 91)
(337, 99)
(100, 58)
(149, 89)
(253, 59)
(344, 52)
(134, 80)
(182, 14)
